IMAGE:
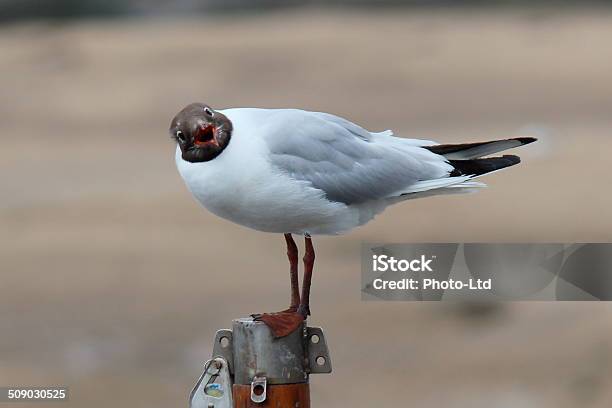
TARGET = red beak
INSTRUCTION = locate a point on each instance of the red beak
(205, 135)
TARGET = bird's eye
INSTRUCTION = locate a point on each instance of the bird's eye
(180, 136)
(208, 111)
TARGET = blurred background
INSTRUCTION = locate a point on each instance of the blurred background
(113, 280)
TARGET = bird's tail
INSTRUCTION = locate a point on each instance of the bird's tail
(469, 151)
(467, 158)
(469, 163)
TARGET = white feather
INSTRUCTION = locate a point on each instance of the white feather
(306, 172)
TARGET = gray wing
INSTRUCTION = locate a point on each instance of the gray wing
(348, 163)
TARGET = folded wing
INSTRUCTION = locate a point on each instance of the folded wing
(348, 163)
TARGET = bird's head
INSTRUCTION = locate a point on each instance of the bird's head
(201, 132)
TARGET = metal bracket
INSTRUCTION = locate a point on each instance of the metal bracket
(224, 346)
(259, 388)
(214, 388)
(319, 361)
(259, 359)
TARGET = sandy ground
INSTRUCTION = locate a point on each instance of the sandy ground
(113, 280)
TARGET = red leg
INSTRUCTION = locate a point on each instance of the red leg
(286, 322)
(292, 254)
(309, 258)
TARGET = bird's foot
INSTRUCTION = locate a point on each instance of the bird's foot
(281, 323)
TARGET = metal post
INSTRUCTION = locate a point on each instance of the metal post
(252, 369)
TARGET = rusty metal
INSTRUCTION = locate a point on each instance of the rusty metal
(278, 396)
(258, 353)
(261, 369)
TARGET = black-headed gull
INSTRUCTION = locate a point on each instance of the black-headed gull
(292, 171)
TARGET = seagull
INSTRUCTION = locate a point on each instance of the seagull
(291, 171)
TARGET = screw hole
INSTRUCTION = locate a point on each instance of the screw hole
(320, 361)
(315, 339)
(224, 341)
(258, 389)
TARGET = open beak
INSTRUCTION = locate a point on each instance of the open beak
(205, 135)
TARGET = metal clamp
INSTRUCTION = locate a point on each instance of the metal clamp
(259, 388)
(319, 361)
(214, 388)
(224, 347)
(250, 354)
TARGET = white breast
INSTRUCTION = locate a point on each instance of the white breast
(240, 185)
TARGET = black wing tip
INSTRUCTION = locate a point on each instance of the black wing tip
(478, 167)
(525, 140)
(445, 149)
(512, 159)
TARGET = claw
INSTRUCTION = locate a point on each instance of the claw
(281, 324)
